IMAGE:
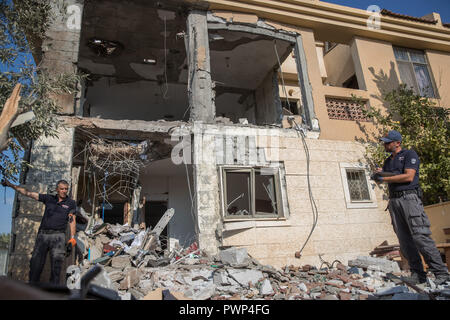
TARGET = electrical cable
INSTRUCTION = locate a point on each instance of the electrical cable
(281, 72)
(311, 198)
(165, 59)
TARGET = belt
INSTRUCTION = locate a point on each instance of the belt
(399, 194)
(51, 231)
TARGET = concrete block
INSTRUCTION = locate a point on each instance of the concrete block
(266, 288)
(121, 262)
(204, 293)
(383, 265)
(234, 256)
(244, 276)
(221, 279)
(391, 291)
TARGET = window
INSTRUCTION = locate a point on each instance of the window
(357, 185)
(414, 71)
(251, 193)
(358, 192)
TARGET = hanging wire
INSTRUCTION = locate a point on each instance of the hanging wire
(281, 72)
(165, 59)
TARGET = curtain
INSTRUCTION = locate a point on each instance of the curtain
(424, 80)
(407, 75)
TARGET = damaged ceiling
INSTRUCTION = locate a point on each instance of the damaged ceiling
(242, 60)
(134, 36)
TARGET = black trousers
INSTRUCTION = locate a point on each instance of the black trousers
(53, 243)
(412, 227)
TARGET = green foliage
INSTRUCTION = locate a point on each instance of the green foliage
(4, 240)
(425, 129)
(22, 26)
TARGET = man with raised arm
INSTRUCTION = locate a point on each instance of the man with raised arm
(51, 237)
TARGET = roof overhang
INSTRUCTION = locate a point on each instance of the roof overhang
(341, 23)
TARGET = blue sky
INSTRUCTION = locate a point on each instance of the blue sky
(416, 8)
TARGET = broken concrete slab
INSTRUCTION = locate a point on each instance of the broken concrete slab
(391, 291)
(377, 264)
(246, 276)
(116, 276)
(204, 293)
(234, 256)
(266, 288)
(221, 279)
(121, 262)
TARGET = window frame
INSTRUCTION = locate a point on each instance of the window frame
(357, 204)
(411, 64)
(253, 214)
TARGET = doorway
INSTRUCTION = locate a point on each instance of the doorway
(154, 210)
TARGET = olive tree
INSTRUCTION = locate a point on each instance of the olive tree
(23, 25)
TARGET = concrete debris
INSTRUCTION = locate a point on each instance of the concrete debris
(234, 256)
(376, 264)
(409, 296)
(266, 288)
(141, 271)
(394, 290)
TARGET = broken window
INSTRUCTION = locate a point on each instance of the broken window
(414, 71)
(245, 68)
(250, 193)
(357, 185)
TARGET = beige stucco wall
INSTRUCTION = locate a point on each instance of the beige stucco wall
(341, 233)
(365, 54)
(439, 215)
(440, 63)
(375, 67)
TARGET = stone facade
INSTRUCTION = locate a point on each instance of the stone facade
(341, 233)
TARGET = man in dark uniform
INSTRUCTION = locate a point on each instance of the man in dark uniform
(409, 219)
(59, 210)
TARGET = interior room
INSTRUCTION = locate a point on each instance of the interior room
(245, 69)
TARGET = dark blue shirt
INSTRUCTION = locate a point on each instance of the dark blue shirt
(56, 213)
(405, 159)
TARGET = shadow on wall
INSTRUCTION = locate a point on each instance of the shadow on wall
(385, 82)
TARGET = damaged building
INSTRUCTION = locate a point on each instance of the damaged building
(238, 115)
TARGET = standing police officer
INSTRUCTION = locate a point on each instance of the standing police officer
(59, 210)
(409, 219)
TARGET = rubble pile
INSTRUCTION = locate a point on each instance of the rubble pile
(135, 266)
